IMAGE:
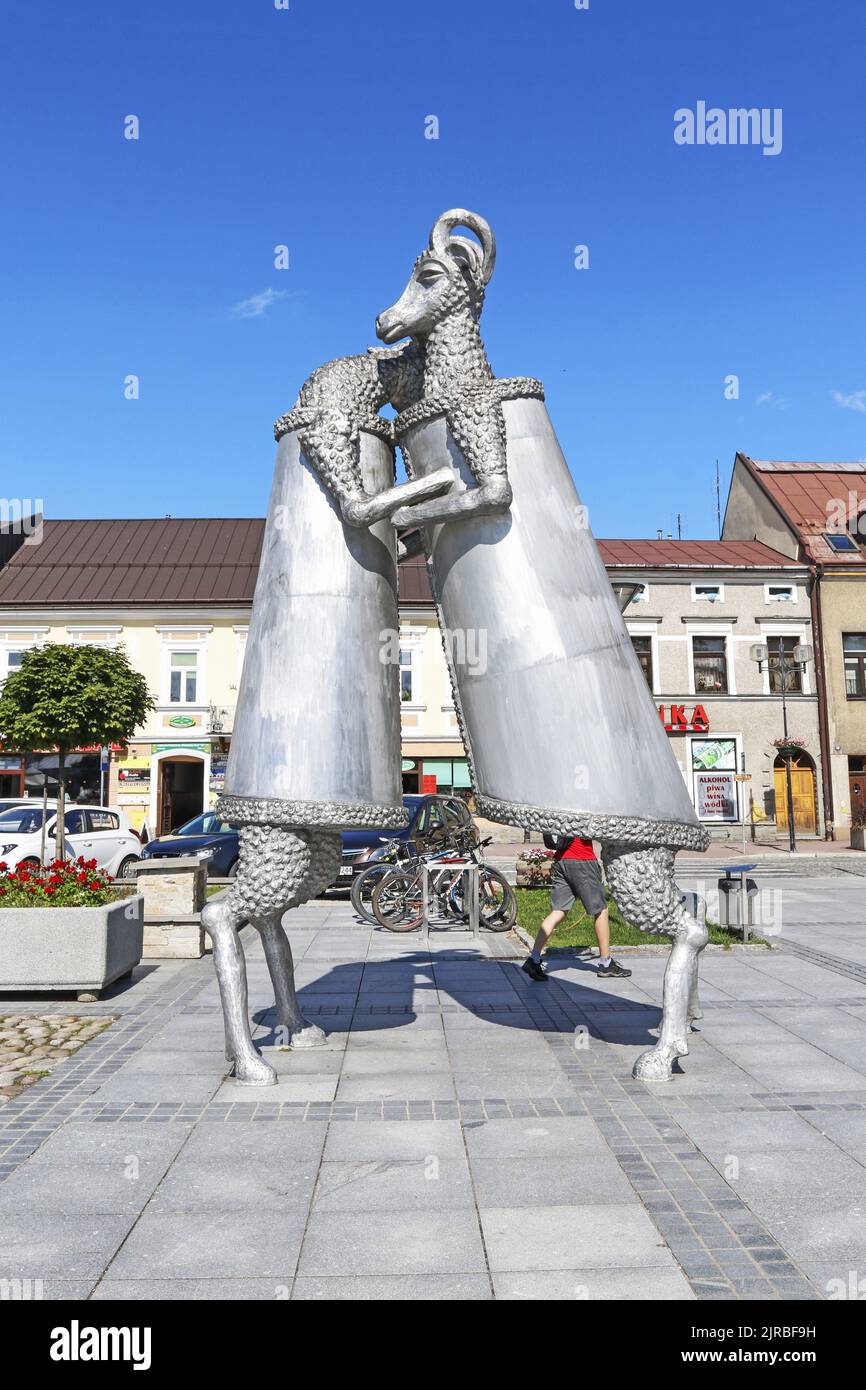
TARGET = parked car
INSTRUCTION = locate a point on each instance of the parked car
(207, 837)
(92, 832)
(433, 819)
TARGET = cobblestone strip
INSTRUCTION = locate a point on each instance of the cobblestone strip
(724, 1250)
(26, 1122)
(838, 964)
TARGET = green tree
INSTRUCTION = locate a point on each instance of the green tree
(68, 697)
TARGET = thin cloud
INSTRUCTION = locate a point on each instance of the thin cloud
(770, 398)
(257, 304)
(856, 400)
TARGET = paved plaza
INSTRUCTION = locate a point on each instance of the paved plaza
(463, 1134)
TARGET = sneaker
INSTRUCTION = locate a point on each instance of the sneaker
(613, 970)
(534, 970)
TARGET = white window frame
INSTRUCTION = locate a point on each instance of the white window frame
(200, 649)
(412, 639)
(649, 630)
(241, 635)
(702, 598)
(800, 633)
(717, 630)
(787, 602)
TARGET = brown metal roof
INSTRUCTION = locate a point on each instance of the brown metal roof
(809, 495)
(694, 554)
(169, 560)
(204, 560)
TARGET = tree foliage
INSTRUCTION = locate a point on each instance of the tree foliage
(67, 697)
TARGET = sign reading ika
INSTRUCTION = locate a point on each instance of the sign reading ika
(679, 722)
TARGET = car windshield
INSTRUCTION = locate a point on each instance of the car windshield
(207, 824)
(21, 820)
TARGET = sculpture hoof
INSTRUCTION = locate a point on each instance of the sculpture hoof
(308, 1036)
(656, 1064)
(253, 1072)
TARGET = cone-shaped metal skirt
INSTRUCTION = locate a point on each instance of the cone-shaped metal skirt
(560, 727)
(316, 738)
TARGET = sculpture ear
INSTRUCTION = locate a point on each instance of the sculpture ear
(467, 254)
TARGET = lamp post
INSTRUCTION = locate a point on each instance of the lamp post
(798, 661)
(625, 591)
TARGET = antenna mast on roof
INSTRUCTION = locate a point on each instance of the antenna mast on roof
(718, 501)
(679, 526)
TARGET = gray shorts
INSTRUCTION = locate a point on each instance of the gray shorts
(577, 878)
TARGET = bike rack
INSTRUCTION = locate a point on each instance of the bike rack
(473, 885)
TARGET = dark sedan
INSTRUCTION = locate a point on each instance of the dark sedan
(206, 837)
(433, 820)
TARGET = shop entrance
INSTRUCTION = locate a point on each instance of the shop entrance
(857, 785)
(10, 784)
(802, 794)
(180, 794)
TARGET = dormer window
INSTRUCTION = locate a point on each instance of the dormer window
(840, 541)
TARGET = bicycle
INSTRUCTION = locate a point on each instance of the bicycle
(397, 899)
(396, 851)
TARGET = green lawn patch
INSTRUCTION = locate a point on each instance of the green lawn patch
(533, 905)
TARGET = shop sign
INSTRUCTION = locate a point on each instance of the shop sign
(182, 721)
(679, 722)
(130, 777)
(716, 796)
(181, 748)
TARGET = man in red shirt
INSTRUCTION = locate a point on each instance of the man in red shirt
(576, 874)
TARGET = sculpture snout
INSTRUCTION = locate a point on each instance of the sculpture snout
(389, 327)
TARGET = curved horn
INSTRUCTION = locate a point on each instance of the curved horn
(459, 217)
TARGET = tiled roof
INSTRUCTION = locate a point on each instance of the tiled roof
(196, 560)
(694, 554)
(809, 496)
(203, 560)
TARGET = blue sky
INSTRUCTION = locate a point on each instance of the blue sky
(306, 127)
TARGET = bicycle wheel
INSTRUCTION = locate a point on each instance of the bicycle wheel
(362, 889)
(497, 901)
(396, 901)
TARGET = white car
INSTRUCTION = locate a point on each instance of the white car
(93, 832)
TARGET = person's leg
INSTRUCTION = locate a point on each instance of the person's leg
(546, 930)
(602, 933)
(561, 899)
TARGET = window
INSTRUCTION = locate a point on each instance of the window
(709, 593)
(711, 665)
(780, 593)
(405, 674)
(183, 678)
(776, 647)
(644, 651)
(840, 540)
(74, 823)
(103, 820)
(854, 652)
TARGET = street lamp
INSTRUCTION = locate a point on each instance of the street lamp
(798, 661)
(625, 591)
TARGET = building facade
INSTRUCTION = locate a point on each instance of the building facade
(816, 513)
(177, 595)
(700, 609)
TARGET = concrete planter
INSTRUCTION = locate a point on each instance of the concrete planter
(78, 949)
(858, 837)
(533, 875)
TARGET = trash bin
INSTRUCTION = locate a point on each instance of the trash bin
(730, 901)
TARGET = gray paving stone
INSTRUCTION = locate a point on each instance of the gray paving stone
(81, 1189)
(192, 1290)
(429, 1184)
(38, 1244)
(398, 1085)
(422, 1288)
(193, 1186)
(595, 1285)
(242, 1243)
(97, 1145)
(571, 1237)
(550, 1137)
(409, 1242)
(392, 1140)
(253, 1146)
(593, 1179)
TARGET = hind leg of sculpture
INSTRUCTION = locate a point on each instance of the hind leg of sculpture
(220, 921)
(281, 966)
(642, 881)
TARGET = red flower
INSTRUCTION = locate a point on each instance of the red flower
(81, 878)
(23, 876)
(3, 866)
(55, 879)
(49, 891)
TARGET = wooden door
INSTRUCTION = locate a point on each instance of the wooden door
(857, 785)
(803, 797)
